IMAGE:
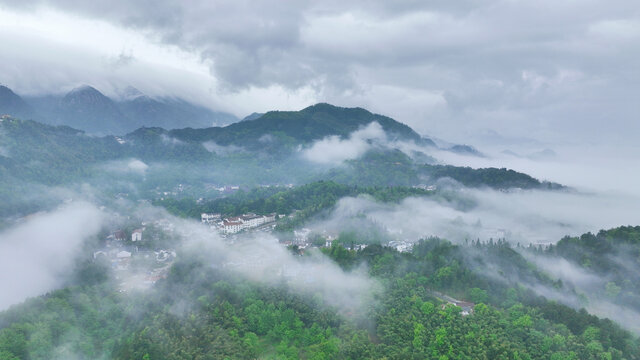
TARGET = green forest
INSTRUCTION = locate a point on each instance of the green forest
(438, 299)
(202, 312)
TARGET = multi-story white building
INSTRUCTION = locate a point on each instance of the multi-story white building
(210, 218)
(269, 218)
(235, 224)
(252, 220)
(232, 227)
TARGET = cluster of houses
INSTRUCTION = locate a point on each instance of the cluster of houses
(233, 225)
(426, 187)
(401, 245)
(120, 254)
(224, 189)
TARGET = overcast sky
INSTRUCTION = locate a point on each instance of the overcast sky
(468, 71)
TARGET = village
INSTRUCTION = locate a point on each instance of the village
(140, 256)
(135, 262)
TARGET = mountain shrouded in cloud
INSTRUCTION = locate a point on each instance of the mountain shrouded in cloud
(10, 103)
(86, 108)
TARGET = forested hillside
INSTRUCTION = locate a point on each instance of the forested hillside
(266, 150)
(218, 315)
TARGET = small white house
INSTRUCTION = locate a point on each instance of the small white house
(136, 235)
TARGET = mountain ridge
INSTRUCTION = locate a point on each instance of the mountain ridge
(12, 104)
(309, 124)
(88, 109)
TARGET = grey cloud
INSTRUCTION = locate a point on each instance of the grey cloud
(546, 69)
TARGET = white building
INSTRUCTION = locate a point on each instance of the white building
(302, 235)
(136, 235)
(401, 246)
(235, 224)
(232, 227)
(269, 218)
(208, 218)
(252, 220)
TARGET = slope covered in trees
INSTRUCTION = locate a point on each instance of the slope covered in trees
(219, 315)
(265, 150)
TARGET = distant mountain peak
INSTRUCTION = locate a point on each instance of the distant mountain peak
(252, 116)
(326, 107)
(86, 94)
(466, 150)
(83, 89)
(12, 104)
(131, 93)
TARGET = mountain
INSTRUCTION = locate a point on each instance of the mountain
(14, 105)
(169, 113)
(545, 154)
(246, 153)
(87, 109)
(465, 150)
(258, 150)
(252, 116)
(296, 127)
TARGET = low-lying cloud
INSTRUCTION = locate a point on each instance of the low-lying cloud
(587, 285)
(261, 258)
(335, 150)
(37, 254)
(221, 150)
(134, 166)
(526, 216)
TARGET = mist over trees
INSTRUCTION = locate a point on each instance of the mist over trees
(140, 246)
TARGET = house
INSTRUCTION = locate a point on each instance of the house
(302, 235)
(467, 307)
(119, 235)
(401, 246)
(136, 235)
(270, 218)
(252, 220)
(208, 218)
(231, 227)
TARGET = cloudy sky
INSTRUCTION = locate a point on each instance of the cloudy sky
(468, 71)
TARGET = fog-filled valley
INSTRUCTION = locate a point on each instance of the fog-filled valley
(319, 180)
(323, 232)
